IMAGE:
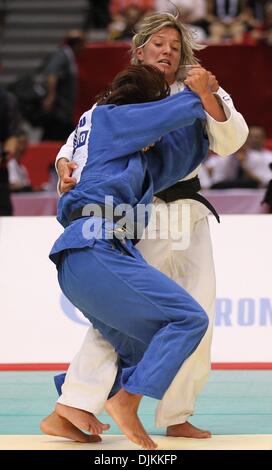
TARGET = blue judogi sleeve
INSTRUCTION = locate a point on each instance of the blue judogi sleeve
(128, 128)
(109, 157)
(177, 154)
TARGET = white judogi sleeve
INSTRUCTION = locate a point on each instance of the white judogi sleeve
(226, 137)
(66, 151)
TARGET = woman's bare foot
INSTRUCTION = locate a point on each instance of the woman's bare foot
(81, 419)
(55, 425)
(123, 407)
(187, 430)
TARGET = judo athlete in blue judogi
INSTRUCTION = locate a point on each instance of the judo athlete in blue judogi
(153, 323)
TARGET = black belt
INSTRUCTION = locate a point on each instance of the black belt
(187, 189)
(84, 212)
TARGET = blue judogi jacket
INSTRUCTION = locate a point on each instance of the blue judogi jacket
(108, 150)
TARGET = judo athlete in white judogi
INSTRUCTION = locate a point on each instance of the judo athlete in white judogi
(92, 372)
(152, 323)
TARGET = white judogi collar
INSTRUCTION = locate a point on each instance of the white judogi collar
(176, 87)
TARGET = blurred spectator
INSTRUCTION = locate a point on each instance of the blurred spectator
(247, 168)
(256, 8)
(18, 175)
(238, 34)
(61, 80)
(217, 171)
(198, 32)
(98, 15)
(125, 25)
(217, 32)
(118, 6)
(264, 32)
(125, 16)
(194, 10)
(224, 10)
(249, 18)
(255, 158)
(267, 200)
(10, 127)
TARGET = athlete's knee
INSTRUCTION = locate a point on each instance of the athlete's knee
(201, 320)
(204, 320)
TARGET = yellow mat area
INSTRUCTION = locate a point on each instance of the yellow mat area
(110, 442)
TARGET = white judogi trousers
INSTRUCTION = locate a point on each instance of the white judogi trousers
(92, 372)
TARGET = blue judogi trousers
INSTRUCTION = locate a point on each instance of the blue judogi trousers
(153, 323)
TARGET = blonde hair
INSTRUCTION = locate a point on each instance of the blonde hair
(155, 22)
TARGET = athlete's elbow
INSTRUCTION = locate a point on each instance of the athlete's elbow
(239, 141)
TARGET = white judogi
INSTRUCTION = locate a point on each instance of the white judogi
(92, 372)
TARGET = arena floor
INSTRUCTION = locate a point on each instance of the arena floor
(236, 406)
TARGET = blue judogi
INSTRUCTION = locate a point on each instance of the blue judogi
(152, 322)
